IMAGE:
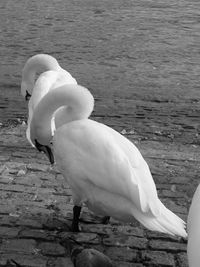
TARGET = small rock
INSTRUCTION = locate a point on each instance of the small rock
(86, 257)
(123, 131)
(21, 173)
(16, 215)
(173, 188)
(92, 258)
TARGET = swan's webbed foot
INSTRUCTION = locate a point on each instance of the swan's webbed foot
(105, 219)
(75, 221)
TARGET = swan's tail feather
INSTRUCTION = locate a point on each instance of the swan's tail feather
(167, 222)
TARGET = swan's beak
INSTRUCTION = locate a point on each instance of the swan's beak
(27, 96)
(46, 150)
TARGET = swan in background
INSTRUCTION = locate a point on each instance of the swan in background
(193, 228)
(38, 64)
(103, 168)
(51, 76)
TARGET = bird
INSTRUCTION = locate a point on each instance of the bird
(34, 87)
(84, 256)
(104, 169)
(38, 64)
(193, 222)
(90, 257)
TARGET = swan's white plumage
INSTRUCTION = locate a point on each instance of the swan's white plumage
(51, 76)
(193, 227)
(101, 175)
(103, 168)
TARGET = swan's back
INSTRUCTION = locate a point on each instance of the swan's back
(64, 77)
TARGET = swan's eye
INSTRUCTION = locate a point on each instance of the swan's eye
(27, 96)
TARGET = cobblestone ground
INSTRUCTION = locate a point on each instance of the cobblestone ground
(36, 207)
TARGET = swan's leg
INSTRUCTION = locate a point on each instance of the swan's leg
(106, 219)
(76, 215)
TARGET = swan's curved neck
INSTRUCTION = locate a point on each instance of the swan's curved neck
(38, 64)
(78, 103)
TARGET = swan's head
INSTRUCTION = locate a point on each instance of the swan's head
(42, 140)
(46, 149)
(67, 103)
(26, 90)
(34, 66)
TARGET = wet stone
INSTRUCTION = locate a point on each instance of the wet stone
(182, 259)
(26, 246)
(32, 223)
(23, 260)
(97, 228)
(37, 234)
(127, 264)
(51, 249)
(89, 238)
(59, 262)
(163, 236)
(129, 230)
(37, 167)
(121, 254)
(125, 241)
(167, 245)
(158, 258)
(4, 158)
(9, 232)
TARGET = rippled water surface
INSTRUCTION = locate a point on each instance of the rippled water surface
(119, 49)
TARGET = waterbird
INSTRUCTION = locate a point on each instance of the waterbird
(193, 228)
(104, 169)
(85, 257)
(40, 74)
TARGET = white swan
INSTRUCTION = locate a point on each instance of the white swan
(193, 228)
(38, 64)
(51, 76)
(103, 168)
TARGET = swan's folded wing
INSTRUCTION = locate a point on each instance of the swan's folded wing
(140, 169)
(116, 174)
(97, 158)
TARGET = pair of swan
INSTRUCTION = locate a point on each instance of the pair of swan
(103, 168)
(40, 74)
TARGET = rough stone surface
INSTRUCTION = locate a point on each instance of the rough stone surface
(158, 258)
(36, 210)
(182, 259)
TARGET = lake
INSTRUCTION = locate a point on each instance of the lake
(132, 55)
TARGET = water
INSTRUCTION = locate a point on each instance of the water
(122, 50)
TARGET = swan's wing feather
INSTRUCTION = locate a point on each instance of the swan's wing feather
(140, 169)
(90, 152)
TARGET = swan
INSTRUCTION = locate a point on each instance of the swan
(103, 168)
(193, 228)
(52, 76)
(38, 64)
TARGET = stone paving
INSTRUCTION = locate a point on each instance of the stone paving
(36, 208)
